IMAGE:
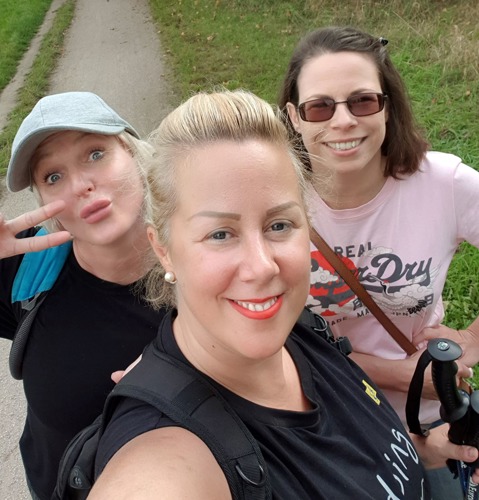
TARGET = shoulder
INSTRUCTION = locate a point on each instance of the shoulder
(448, 169)
(437, 158)
(170, 463)
(437, 165)
(441, 171)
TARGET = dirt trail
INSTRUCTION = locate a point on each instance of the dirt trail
(112, 49)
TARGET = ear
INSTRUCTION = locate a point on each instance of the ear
(293, 116)
(160, 250)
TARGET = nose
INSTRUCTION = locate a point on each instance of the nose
(258, 262)
(82, 183)
(342, 117)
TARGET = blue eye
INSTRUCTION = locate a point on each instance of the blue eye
(279, 226)
(219, 235)
(52, 178)
(96, 155)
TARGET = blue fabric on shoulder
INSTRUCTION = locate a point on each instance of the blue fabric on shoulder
(39, 270)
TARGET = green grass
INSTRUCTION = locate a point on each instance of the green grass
(247, 43)
(19, 21)
(37, 81)
(435, 44)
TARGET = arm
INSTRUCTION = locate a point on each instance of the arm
(10, 245)
(396, 374)
(167, 463)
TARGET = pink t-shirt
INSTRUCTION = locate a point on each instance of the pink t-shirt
(401, 243)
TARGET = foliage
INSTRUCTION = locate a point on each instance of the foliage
(36, 83)
(19, 21)
(435, 45)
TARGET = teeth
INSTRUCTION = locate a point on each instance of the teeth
(253, 306)
(343, 146)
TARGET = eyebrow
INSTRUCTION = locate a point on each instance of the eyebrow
(282, 208)
(234, 216)
(39, 155)
(216, 215)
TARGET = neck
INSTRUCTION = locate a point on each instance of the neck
(343, 190)
(122, 264)
(273, 382)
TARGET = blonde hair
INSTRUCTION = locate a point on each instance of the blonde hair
(140, 151)
(204, 118)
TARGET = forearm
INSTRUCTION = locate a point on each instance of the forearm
(474, 329)
(393, 374)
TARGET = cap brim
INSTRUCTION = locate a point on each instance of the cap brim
(18, 173)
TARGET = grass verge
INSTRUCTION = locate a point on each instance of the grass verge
(247, 43)
(37, 80)
(19, 22)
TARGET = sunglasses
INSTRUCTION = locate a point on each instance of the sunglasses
(322, 109)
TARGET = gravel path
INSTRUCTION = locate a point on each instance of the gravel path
(112, 49)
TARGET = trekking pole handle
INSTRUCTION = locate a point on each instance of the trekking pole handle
(454, 402)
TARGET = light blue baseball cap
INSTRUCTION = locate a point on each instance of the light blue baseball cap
(82, 111)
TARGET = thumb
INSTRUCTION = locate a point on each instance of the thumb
(426, 334)
(463, 371)
(467, 453)
(117, 376)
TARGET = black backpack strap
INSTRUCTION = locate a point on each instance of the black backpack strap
(17, 351)
(413, 401)
(317, 323)
(187, 397)
(35, 276)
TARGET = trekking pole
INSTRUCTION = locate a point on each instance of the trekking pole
(458, 408)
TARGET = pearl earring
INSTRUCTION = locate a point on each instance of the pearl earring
(170, 277)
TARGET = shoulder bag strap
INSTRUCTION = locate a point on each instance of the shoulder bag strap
(361, 292)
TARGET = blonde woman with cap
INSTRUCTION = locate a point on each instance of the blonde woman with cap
(80, 159)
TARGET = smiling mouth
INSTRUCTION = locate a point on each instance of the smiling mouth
(257, 306)
(343, 146)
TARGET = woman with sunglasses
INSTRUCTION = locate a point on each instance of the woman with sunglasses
(394, 211)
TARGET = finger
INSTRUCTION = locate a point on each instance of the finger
(430, 333)
(467, 453)
(37, 243)
(117, 376)
(130, 367)
(35, 217)
(463, 371)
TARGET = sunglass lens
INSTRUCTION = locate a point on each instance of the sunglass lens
(365, 104)
(318, 110)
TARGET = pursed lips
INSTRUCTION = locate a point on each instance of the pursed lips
(93, 207)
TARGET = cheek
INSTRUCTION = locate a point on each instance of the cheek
(297, 266)
(311, 136)
(205, 273)
(66, 218)
(131, 191)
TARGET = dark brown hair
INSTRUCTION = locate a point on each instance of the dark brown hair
(404, 145)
